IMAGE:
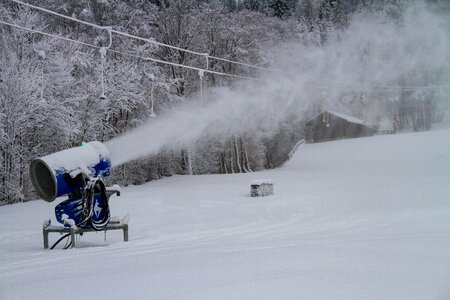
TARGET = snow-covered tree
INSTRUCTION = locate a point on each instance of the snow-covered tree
(280, 8)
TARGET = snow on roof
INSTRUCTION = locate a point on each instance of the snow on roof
(348, 118)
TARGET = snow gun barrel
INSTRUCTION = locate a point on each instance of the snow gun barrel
(61, 173)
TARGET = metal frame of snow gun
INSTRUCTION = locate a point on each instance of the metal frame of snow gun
(114, 223)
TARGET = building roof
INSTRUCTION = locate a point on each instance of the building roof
(348, 118)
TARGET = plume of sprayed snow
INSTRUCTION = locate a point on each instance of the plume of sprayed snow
(368, 58)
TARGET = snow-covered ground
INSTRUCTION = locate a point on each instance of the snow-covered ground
(365, 218)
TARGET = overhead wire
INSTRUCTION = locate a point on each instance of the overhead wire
(145, 58)
(205, 70)
(247, 65)
(49, 34)
(57, 14)
(424, 87)
(206, 55)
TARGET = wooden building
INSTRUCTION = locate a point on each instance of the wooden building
(329, 125)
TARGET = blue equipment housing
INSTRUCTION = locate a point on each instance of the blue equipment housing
(89, 210)
(69, 209)
(65, 184)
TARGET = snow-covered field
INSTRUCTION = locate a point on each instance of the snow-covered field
(365, 218)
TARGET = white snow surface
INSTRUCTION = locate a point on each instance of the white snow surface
(366, 218)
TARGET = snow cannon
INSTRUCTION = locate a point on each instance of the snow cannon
(64, 173)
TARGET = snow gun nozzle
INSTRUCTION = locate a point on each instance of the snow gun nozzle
(60, 173)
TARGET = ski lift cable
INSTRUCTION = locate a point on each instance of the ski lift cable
(141, 38)
(398, 87)
(58, 14)
(48, 34)
(249, 65)
(380, 89)
(206, 55)
(127, 54)
(146, 58)
(110, 30)
(155, 42)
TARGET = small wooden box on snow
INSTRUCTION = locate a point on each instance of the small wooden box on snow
(261, 188)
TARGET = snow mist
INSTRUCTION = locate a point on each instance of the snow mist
(362, 66)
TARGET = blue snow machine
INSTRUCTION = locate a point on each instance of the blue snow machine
(77, 173)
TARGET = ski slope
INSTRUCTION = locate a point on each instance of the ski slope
(364, 218)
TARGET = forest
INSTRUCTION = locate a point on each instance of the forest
(55, 94)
